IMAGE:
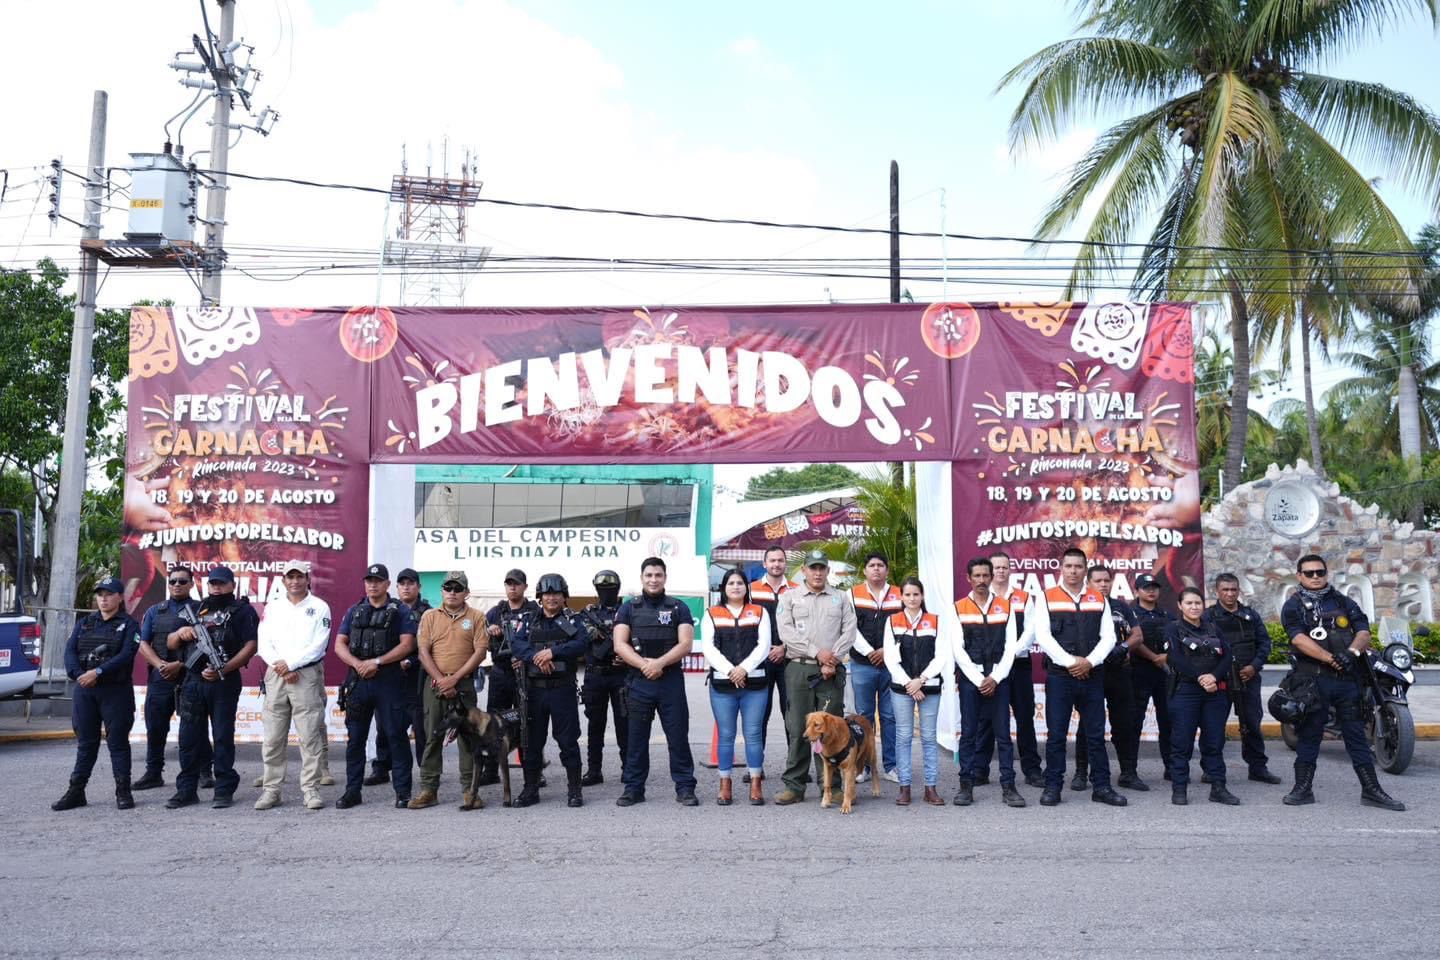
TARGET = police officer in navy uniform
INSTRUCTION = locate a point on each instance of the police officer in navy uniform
(210, 698)
(604, 688)
(166, 671)
(653, 633)
(407, 588)
(376, 634)
(1329, 636)
(1148, 677)
(99, 657)
(1119, 691)
(1199, 660)
(1244, 630)
(509, 615)
(550, 649)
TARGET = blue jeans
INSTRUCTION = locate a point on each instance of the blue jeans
(870, 686)
(903, 709)
(1064, 694)
(731, 705)
(982, 720)
(1343, 695)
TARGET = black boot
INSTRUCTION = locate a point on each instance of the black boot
(1081, 780)
(1218, 794)
(150, 781)
(530, 794)
(593, 777)
(966, 794)
(1301, 794)
(574, 782)
(124, 799)
(1179, 795)
(74, 796)
(1371, 793)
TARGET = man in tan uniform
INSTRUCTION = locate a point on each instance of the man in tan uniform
(452, 642)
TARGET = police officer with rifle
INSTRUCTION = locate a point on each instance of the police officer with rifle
(547, 652)
(166, 671)
(1329, 636)
(502, 621)
(604, 688)
(98, 657)
(376, 634)
(1244, 630)
(217, 641)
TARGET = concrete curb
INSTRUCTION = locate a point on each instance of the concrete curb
(36, 736)
(1270, 730)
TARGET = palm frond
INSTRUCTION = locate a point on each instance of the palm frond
(1240, 130)
(1306, 31)
(1088, 73)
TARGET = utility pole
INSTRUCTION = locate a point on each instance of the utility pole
(65, 537)
(897, 469)
(219, 161)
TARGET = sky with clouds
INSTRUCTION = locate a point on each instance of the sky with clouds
(778, 111)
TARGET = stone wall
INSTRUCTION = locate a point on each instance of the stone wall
(1388, 567)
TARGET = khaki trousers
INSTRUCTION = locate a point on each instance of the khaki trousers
(302, 702)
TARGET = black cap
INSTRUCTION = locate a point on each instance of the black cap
(110, 585)
(221, 574)
(377, 571)
(407, 574)
(1145, 581)
(516, 576)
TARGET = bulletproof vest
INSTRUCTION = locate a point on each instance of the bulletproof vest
(219, 623)
(1328, 613)
(505, 614)
(601, 651)
(1075, 625)
(1203, 649)
(1122, 630)
(768, 599)
(370, 633)
(419, 607)
(1237, 628)
(100, 639)
(547, 632)
(916, 644)
(165, 622)
(654, 631)
(983, 631)
(870, 615)
(737, 637)
(1152, 627)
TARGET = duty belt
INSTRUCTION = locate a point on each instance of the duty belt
(806, 660)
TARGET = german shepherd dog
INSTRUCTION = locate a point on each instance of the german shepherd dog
(493, 736)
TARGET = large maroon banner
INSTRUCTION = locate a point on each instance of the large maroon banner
(252, 430)
(1077, 428)
(248, 446)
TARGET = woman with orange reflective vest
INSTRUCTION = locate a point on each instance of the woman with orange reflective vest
(917, 660)
(734, 638)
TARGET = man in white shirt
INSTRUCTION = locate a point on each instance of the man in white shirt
(294, 635)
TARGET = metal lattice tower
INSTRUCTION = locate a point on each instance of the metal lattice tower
(429, 244)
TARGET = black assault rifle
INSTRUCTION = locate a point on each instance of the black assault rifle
(522, 685)
(1237, 699)
(205, 652)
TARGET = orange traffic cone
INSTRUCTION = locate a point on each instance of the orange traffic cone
(714, 760)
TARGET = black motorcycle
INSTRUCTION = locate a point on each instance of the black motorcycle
(1389, 727)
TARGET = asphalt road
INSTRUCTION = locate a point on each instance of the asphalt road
(661, 880)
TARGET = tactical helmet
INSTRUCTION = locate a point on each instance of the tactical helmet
(552, 583)
(606, 578)
(1286, 707)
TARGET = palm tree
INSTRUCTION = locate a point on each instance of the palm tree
(1213, 386)
(1239, 150)
(890, 520)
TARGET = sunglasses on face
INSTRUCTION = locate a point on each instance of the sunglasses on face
(1312, 573)
(179, 582)
(449, 589)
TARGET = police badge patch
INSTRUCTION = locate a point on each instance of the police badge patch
(466, 624)
(665, 617)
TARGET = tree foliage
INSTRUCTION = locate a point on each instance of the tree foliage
(37, 315)
(811, 478)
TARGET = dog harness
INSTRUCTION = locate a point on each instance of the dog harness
(857, 735)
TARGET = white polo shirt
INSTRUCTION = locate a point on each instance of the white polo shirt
(297, 633)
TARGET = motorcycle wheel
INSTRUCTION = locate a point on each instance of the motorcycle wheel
(1288, 734)
(1394, 737)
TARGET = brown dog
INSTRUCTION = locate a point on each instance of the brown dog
(832, 739)
(492, 736)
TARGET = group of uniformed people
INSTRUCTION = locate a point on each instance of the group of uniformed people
(769, 639)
